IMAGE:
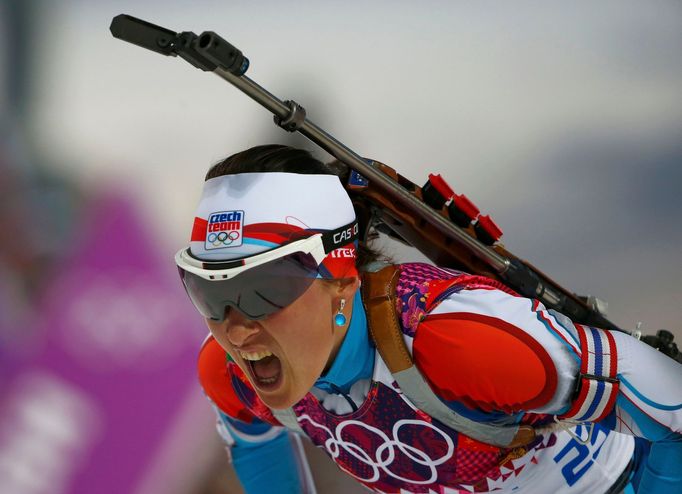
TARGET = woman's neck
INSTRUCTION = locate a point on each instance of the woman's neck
(353, 359)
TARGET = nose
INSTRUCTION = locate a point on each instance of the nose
(240, 328)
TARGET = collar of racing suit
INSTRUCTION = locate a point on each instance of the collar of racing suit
(355, 359)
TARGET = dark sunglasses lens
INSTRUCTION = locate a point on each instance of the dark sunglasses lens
(204, 294)
(257, 292)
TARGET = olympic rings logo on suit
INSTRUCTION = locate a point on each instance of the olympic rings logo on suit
(385, 454)
(224, 238)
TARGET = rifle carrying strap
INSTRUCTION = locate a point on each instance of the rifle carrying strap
(378, 295)
(379, 301)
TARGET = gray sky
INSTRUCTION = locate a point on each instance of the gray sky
(561, 120)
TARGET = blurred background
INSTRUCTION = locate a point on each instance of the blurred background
(561, 120)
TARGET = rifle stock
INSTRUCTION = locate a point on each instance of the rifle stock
(411, 226)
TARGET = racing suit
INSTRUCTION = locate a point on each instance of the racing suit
(489, 355)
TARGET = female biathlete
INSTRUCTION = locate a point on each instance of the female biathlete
(491, 392)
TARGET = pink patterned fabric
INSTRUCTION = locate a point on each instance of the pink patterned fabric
(412, 290)
(418, 274)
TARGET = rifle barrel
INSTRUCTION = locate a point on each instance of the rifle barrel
(352, 159)
(209, 52)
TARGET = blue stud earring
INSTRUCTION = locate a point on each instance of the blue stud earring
(339, 318)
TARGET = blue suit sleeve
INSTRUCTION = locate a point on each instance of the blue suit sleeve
(649, 405)
(262, 456)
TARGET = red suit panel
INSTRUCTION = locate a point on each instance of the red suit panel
(217, 381)
(493, 365)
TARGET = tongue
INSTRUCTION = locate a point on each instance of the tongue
(267, 367)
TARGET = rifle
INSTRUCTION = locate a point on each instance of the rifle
(444, 226)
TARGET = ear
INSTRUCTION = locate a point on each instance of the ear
(346, 287)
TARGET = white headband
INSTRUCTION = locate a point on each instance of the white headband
(248, 213)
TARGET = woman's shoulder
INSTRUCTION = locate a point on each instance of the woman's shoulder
(475, 341)
(218, 382)
(483, 362)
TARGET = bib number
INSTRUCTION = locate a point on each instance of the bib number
(577, 458)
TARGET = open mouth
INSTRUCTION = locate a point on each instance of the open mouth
(266, 369)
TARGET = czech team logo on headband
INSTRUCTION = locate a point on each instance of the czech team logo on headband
(224, 229)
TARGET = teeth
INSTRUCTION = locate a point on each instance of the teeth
(254, 356)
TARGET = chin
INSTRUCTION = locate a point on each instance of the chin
(279, 403)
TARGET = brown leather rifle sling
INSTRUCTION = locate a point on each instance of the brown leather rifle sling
(378, 296)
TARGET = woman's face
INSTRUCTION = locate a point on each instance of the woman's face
(285, 353)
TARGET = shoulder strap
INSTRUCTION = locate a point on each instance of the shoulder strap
(378, 295)
(287, 417)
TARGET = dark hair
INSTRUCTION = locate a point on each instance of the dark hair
(280, 158)
(273, 158)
